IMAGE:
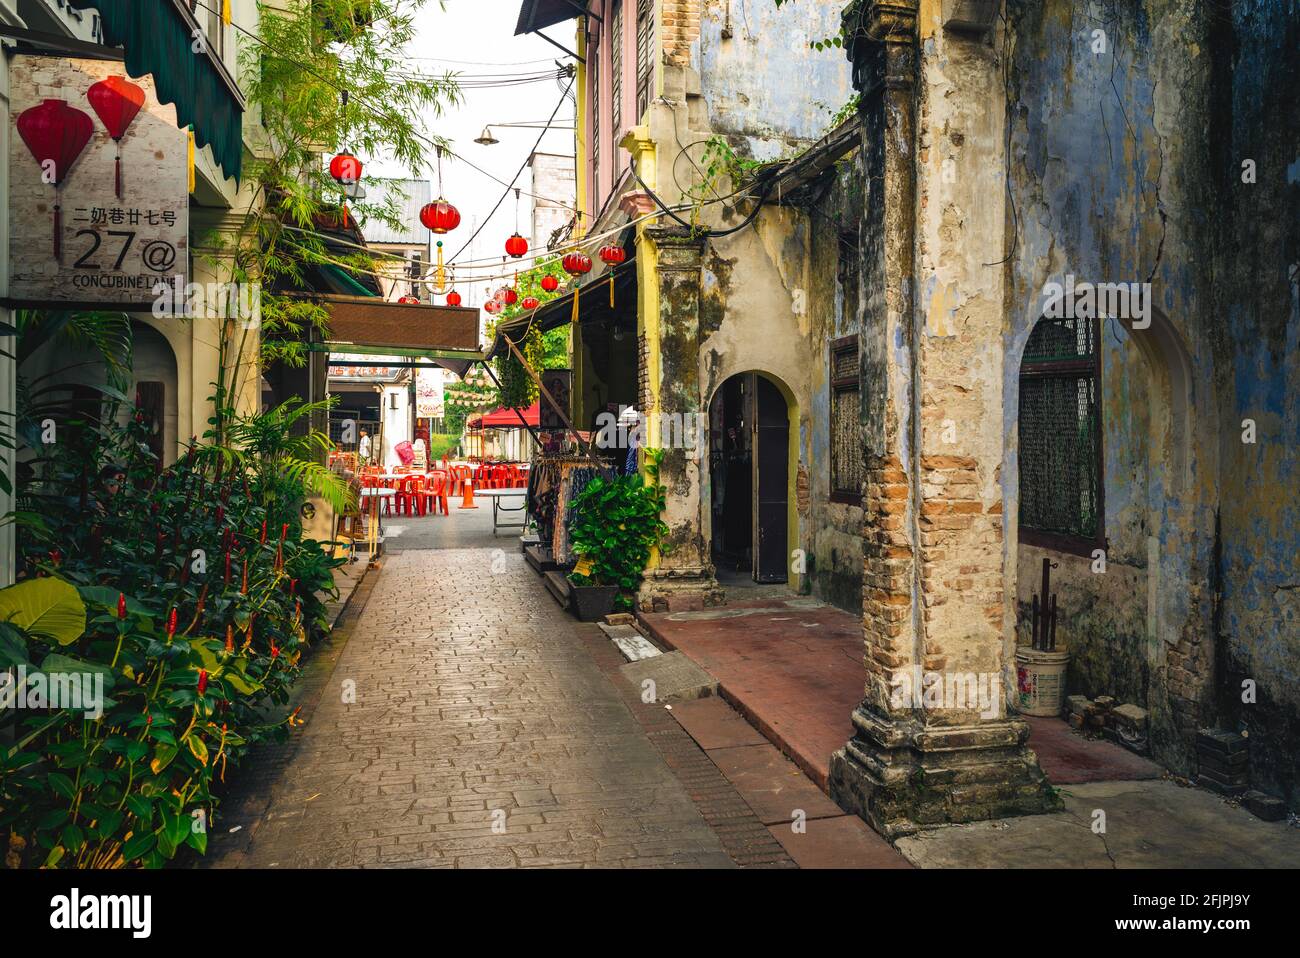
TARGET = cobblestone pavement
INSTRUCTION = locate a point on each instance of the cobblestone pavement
(484, 733)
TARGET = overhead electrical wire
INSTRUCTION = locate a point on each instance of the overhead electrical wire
(417, 135)
(522, 166)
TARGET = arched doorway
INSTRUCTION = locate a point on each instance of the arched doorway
(154, 387)
(749, 479)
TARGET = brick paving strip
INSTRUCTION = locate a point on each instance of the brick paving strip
(479, 703)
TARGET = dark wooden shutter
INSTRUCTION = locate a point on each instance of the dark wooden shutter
(645, 29)
(846, 422)
(616, 71)
(772, 425)
(593, 59)
(151, 401)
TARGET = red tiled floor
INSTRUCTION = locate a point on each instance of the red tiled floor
(773, 786)
(715, 724)
(1071, 759)
(844, 842)
(795, 673)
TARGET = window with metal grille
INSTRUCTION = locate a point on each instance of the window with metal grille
(1060, 436)
(846, 422)
(645, 29)
(616, 71)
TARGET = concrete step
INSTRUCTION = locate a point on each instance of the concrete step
(630, 642)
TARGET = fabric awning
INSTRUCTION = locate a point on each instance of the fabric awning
(157, 37)
(506, 417)
(538, 14)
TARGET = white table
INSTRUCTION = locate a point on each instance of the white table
(374, 526)
(496, 495)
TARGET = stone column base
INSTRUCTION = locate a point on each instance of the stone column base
(680, 590)
(902, 776)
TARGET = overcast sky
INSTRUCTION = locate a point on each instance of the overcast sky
(476, 37)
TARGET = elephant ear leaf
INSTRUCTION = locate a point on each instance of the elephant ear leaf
(47, 608)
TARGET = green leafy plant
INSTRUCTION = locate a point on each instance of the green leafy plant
(191, 593)
(616, 525)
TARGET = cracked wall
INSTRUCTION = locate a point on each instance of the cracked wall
(1127, 166)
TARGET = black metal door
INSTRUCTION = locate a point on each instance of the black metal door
(772, 464)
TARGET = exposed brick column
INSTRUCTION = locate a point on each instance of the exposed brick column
(684, 576)
(934, 585)
(680, 21)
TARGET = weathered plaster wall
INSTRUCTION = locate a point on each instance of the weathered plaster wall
(1256, 330)
(1110, 184)
(833, 254)
(1102, 617)
(760, 79)
(1129, 167)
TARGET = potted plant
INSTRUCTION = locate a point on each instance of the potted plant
(615, 527)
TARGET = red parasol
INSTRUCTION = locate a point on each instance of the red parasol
(56, 133)
(116, 100)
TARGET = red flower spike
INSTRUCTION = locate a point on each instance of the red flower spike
(230, 638)
(171, 623)
(284, 531)
(203, 681)
(263, 531)
(121, 605)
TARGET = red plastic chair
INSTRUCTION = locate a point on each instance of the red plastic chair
(407, 500)
(435, 493)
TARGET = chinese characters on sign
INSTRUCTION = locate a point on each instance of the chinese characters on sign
(105, 225)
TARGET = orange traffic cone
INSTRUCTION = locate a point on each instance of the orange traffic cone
(468, 501)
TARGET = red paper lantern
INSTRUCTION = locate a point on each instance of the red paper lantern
(575, 264)
(345, 168)
(613, 255)
(440, 216)
(507, 295)
(116, 100)
(410, 300)
(491, 306)
(516, 245)
(453, 298)
(550, 283)
(56, 133)
(530, 303)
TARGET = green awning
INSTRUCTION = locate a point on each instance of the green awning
(158, 39)
(339, 281)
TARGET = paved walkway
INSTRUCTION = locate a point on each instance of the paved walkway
(483, 733)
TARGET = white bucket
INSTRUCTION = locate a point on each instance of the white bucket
(1040, 681)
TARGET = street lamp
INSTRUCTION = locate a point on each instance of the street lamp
(487, 139)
